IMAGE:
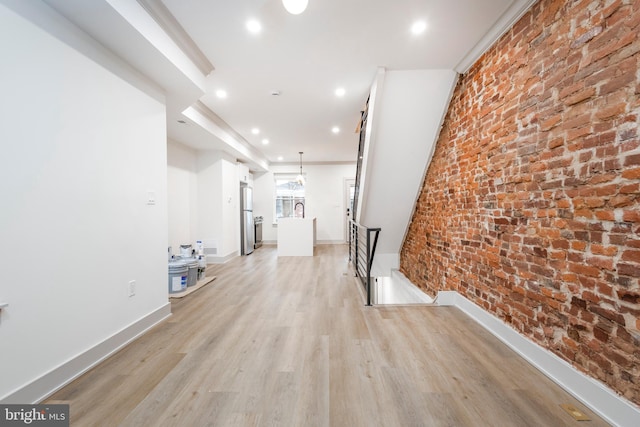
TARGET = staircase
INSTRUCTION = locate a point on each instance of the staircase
(399, 129)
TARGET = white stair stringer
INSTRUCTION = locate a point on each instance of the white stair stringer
(405, 115)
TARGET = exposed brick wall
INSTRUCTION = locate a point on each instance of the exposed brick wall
(530, 207)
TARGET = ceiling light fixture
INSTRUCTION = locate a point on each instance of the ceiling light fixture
(418, 27)
(255, 131)
(340, 92)
(295, 7)
(222, 94)
(335, 129)
(300, 178)
(265, 141)
(280, 158)
(253, 26)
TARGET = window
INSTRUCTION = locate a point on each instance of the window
(289, 197)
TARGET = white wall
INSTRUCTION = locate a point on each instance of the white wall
(230, 208)
(182, 192)
(263, 198)
(324, 199)
(217, 203)
(209, 200)
(81, 149)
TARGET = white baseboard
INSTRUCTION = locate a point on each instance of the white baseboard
(599, 398)
(221, 259)
(318, 242)
(54, 380)
(331, 242)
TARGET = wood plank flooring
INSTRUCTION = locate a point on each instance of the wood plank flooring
(288, 342)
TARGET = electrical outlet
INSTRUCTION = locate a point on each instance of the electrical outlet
(132, 288)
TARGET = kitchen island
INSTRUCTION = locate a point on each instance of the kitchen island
(296, 236)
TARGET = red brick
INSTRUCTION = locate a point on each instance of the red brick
(628, 269)
(631, 216)
(630, 189)
(631, 255)
(611, 111)
(580, 96)
(622, 200)
(584, 270)
(558, 126)
(621, 81)
(631, 173)
(599, 179)
(605, 289)
(594, 202)
(609, 251)
(632, 160)
(607, 190)
(605, 215)
(601, 262)
(632, 297)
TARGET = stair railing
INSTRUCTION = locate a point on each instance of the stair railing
(363, 132)
(362, 249)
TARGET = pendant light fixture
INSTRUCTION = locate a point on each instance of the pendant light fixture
(295, 7)
(300, 178)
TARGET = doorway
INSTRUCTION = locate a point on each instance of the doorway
(349, 196)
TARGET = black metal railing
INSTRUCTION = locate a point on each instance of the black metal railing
(364, 114)
(362, 249)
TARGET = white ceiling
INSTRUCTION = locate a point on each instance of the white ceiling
(334, 43)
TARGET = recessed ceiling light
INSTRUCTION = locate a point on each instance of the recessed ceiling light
(418, 27)
(295, 7)
(265, 141)
(253, 26)
(340, 92)
(222, 94)
(335, 129)
(280, 158)
(255, 131)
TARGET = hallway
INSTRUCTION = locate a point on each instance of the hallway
(288, 341)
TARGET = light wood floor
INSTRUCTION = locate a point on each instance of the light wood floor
(288, 341)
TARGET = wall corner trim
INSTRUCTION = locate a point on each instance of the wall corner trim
(39, 389)
(600, 399)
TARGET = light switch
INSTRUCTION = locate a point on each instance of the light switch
(151, 197)
(132, 288)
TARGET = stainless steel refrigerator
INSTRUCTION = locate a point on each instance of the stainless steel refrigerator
(246, 220)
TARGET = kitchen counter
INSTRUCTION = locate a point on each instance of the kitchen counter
(296, 236)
